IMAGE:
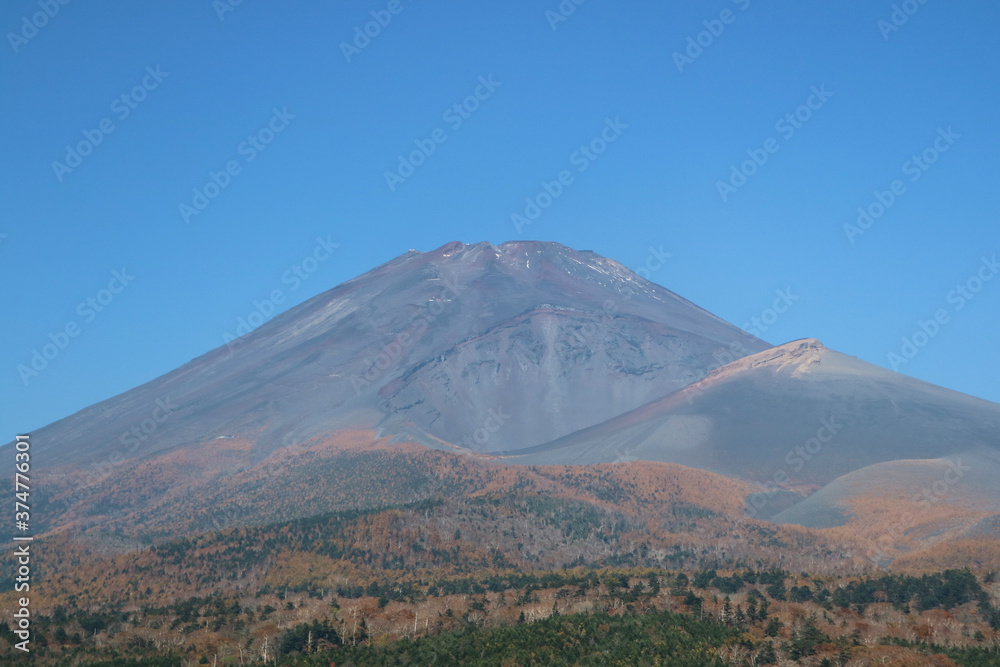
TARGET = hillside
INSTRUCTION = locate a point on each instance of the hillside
(479, 418)
(798, 414)
(483, 346)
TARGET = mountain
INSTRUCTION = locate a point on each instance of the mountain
(485, 347)
(438, 373)
(797, 414)
(830, 440)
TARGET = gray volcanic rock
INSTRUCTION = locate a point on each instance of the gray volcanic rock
(594, 341)
(527, 353)
(797, 415)
(493, 347)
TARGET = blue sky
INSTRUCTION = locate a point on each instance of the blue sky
(186, 89)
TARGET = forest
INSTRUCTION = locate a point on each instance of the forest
(653, 563)
(579, 616)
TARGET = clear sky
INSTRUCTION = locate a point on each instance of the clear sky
(115, 114)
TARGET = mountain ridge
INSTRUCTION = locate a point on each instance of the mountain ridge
(315, 352)
(524, 354)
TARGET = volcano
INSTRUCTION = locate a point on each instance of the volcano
(486, 347)
(526, 353)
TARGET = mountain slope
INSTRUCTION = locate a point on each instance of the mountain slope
(434, 345)
(526, 353)
(795, 415)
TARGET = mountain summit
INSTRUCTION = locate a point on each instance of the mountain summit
(526, 353)
(483, 347)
